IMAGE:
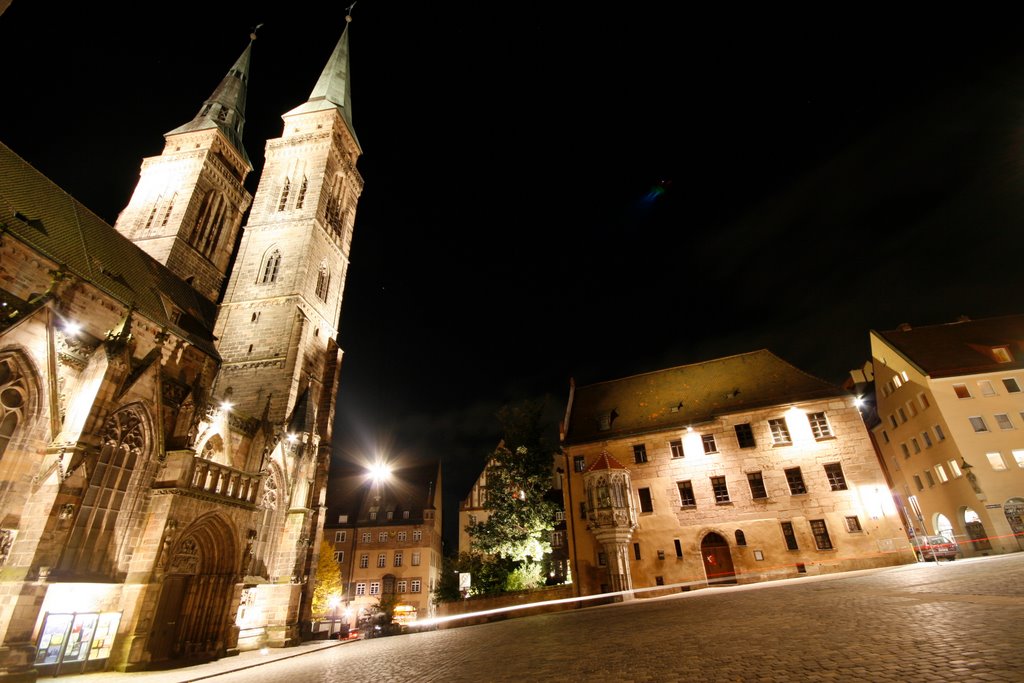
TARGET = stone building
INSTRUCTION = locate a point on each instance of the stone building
(386, 535)
(951, 416)
(739, 469)
(168, 388)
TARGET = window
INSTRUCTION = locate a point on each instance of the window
(416, 585)
(721, 490)
(382, 537)
(401, 586)
(709, 443)
(686, 498)
(906, 451)
(986, 388)
(679, 548)
(955, 469)
(301, 199)
(790, 536)
(892, 421)
(579, 463)
(398, 559)
(819, 425)
(415, 559)
(912, 408)
(917, 483)
(285, 189)
(927, 439)
(929, 477)
(821, 537)
(939, 434)
(583, 510)
(903, 414)
(636, 550)
(375, 588)
(745, 435)
(373, 515)
(795, 479)
(271, 267)
(961, 391)
(836, 478)
(676, 448)
(382, 560)
(1003, 420)
(885, 436)
(923, 400)
(940, 472)
(646, 504)
(741, 538)
(602, 561)
(1018, 457)
(1011, 386)
(917, 446)
(996, 460)
(978, 423)
(639, 453)
(757, 489)
(853, 524)
(339, 556)
(364, 561)
(403, 535)
(389, 515)
(360, 588)
(897, 380)
(1002, 354)
(557, 539)
(323, 283)
(339, 536)
(405, 514)
(780, 432)
(417, 535)
(559, 515)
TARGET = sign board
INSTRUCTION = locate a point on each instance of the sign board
(993, 506)
(464, 582)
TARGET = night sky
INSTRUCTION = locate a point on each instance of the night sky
(580, 193)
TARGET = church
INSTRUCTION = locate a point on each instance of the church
(167, 392)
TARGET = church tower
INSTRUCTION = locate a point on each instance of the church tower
(188, 205)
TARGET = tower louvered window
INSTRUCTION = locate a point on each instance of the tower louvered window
(152, 213)
(323, 282)
(301, 199)
(167, 211)
(271, 268)
(209, 223)
(284, 194)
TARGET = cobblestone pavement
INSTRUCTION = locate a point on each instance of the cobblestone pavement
(926, 622)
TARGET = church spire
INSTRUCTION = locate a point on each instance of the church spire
(333, 89)
(225, 108)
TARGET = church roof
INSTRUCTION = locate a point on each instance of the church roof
(964, 347)
(333, 89)
(40, 214)
(687, 395)
(225, 108)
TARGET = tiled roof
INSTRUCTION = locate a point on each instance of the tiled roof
(960, 348)
(37, 212)
(605, 462)
(689, 394)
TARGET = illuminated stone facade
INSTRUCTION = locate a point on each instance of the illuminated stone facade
(952, 396)
(163, 459)
(739, 469)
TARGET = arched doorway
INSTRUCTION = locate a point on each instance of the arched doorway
(1014, 510)
(944, 527)
(192, 616)
(714, 551)
(976, 534)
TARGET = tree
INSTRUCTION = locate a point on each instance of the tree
(521, 517)
(328, 589)
(489, 575)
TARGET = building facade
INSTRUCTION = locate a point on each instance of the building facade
(951, 428)
(168, 389)
(387, 537)
(739, 469)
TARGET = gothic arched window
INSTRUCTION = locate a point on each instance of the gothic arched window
(301, 199)
(271, 267)
(12, 401)
(209, 223)
(284, 194)
(167, 211)
(323, 282)
(741, 538)
(152, 213)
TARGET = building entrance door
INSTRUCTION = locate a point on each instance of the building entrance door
(718, 567)
(168, 613)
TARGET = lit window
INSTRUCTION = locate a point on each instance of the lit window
(789, 535)
(821, 537)
(940, 472)
(897, 380)
(721, 490)
(986, 388)
(1018, 457)
(955, 469)
(405, 514)
(1011, 386)
(579, 463)
(996, 460)
(373, 515)
(853, 524)
(939, 434)
(795, 479)
(398, 559)
(646, 504)
(961, 391)
(978, 423)
(639, 453)
(757, 489)
(836, 478)
(904, 375)
(780, 431)
(375, 588)
(745, 435)
(415, 585)
(360, 588)
(1002, 354)
(676, 447)
(364, 561)
(415, 559)
(686, 498)
(709, 443)
(927, 439)
(1003, 420)
(382, 560)
(401, 586)
(819, 425)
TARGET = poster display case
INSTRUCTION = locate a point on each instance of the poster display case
(76, 641)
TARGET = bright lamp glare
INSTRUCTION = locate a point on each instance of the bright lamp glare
(226, 405)
(380, 471)
(72, 327)
(858, 401)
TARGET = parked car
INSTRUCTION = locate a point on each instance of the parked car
(930, 548)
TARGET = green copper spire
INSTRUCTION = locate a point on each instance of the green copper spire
(225, 108)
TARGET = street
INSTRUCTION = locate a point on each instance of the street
(952, 621)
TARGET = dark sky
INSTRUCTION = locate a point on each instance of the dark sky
(580, 193)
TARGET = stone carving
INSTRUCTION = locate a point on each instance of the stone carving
(186, 560)
(6, 541)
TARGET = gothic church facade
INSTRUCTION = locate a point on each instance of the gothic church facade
(167, 390)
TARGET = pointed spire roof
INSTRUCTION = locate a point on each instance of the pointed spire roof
(333, 89)
(303, 417)
(605, 461)
(225, 108)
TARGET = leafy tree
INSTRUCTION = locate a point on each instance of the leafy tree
(521, 517)
(328, 583)
(489, 575)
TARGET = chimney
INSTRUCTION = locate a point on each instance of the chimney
(904, 327)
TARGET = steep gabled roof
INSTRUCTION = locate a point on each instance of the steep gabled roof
(964, 347)
(605, 461)
(49, 220)
(688, 395)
